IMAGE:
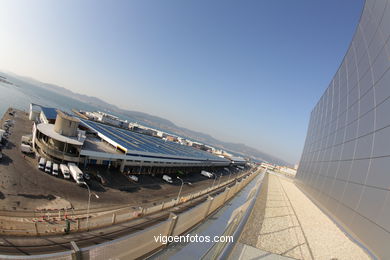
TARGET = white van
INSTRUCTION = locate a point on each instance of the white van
(26, 148)
(167, 178)
(55, 169)
(42, 164)
(48, 167)
(207, 174)
(65, 171)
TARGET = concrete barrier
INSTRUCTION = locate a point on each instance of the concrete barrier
(189, 218)
(169, 204)
(153, 209)
(218, 201)
(129, 247)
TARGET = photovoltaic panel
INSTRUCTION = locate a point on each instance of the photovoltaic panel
(136, 142)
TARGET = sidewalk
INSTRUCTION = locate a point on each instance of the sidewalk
(287, 223)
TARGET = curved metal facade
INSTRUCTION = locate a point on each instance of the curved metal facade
(345, 164)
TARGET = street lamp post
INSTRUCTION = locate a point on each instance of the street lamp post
(89, 202)
(219, 181)
(230, 174)
(181, 187)
(212, 186)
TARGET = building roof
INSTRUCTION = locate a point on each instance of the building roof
(49, 112)
(67, 117)
(110, 156)
(48, 130)
(237, 159)
(135, 143)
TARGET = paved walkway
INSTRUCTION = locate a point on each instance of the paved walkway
(287, 223)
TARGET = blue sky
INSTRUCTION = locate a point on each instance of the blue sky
(242, 71)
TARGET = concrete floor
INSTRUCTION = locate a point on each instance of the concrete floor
(285, 222)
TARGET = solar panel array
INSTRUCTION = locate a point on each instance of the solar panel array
(50, 113)
(136, 142)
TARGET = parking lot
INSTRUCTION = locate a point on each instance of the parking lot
(24, 187)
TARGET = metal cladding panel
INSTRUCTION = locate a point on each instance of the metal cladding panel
(345, 164)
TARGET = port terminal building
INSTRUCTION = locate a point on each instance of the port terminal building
(63, 138)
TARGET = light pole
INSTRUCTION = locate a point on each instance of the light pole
(230, 174)
(89, 202)
(219, 181)
(212, 186)
(181, 187)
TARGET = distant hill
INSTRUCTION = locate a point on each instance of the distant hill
(164, 124)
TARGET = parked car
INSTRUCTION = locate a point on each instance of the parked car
(101, 179)
(7, 124)
(167, 178)
(42, 164)
(65, 171)
(207, 174)
(87, 176)
(3, 141)
(133, 178)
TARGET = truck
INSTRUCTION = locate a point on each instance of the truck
(207, 174)
(2, 132)
(65, 171)
(48, 167)
(167, 178)
(76, 173)
(101, 179)
(26, 148)
(42, 164)
(55, 169)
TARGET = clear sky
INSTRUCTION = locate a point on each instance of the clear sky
(243, 71)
